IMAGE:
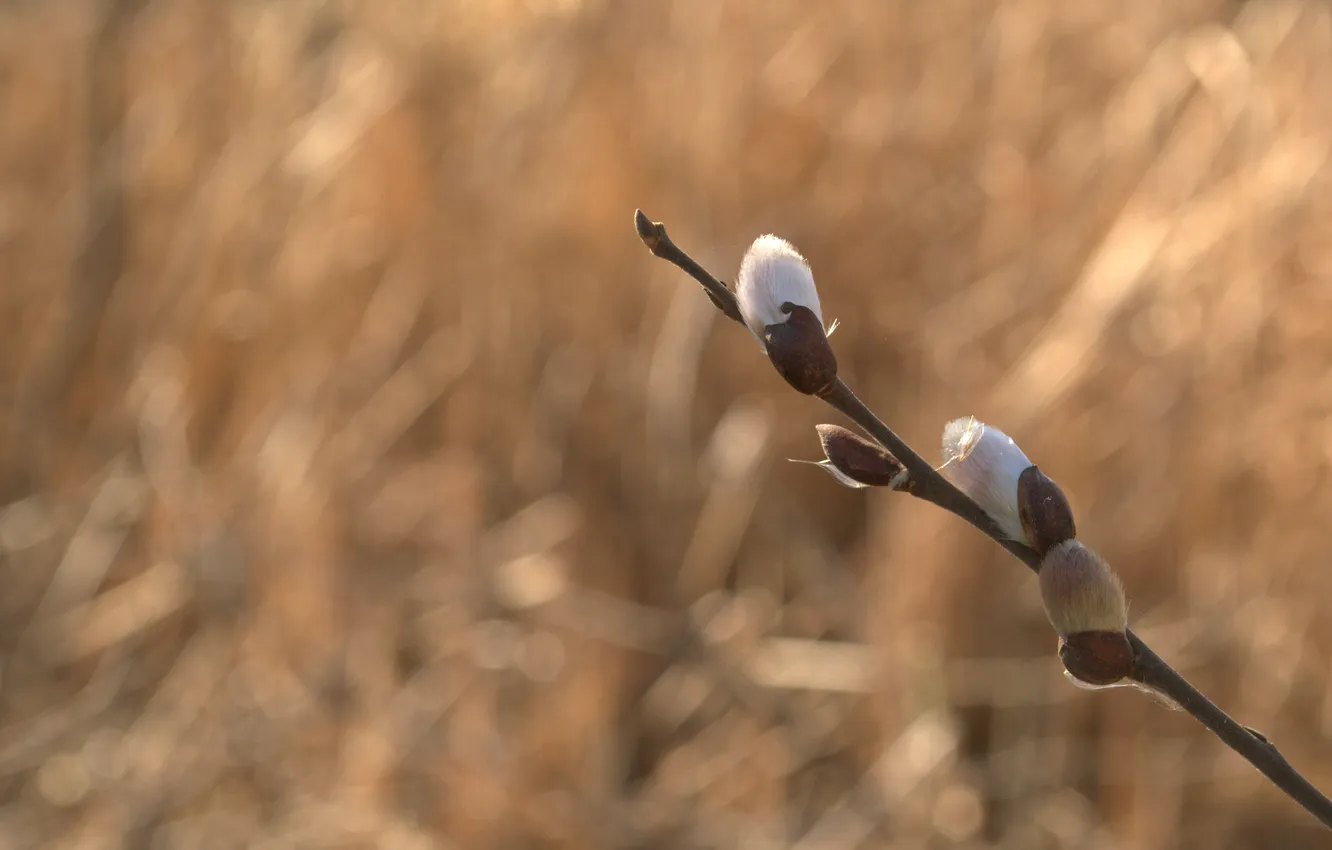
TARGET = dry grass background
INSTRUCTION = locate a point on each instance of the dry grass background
(367, 484)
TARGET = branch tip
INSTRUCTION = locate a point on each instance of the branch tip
(651, 232)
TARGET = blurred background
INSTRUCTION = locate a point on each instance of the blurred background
(366, 483)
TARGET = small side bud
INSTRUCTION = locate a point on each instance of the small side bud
(1085, 603)
(780, 305)
(984, 463)
(1046, 517)
(857, 462)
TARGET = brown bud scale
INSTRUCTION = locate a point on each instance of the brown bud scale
(1097, 658)
(799, 349)
(1047, 518)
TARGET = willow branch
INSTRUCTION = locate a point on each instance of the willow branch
(1149, 669)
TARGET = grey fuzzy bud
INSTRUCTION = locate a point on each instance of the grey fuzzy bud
(1080, 592)
(1085, 603)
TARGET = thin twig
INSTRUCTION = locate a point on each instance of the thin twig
(926, 483)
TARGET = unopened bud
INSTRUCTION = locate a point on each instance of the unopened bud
(780, 305)
(985, 464)
(1085, 603)
(1046, 517)
(857, 462)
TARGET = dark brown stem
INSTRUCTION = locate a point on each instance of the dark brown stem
(926, 483)
(653, 234)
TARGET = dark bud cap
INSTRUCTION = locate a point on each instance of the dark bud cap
(857, 458)
(1046, 516)
(799, 349)
(1097, 658)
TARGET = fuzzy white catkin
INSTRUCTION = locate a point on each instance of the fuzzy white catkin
(773, 273)
(985, 463)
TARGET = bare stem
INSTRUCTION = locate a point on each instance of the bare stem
(926, 483)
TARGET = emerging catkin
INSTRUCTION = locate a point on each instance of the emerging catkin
(1080, 592)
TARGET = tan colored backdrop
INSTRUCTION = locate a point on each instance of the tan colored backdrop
(366, 483)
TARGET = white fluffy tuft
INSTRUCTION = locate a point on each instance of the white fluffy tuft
(985, 463)
(771, 274)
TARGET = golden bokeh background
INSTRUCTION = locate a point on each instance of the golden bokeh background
(366, 483)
